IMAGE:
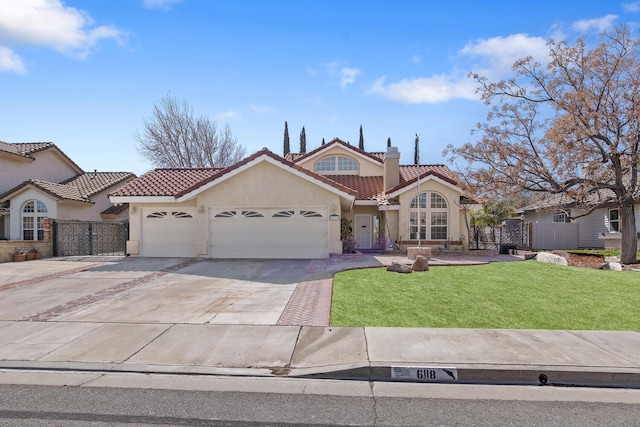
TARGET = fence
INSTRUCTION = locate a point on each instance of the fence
(550, 236)
(77, 238)
(511, 234)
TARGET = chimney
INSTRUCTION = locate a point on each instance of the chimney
(391, 168)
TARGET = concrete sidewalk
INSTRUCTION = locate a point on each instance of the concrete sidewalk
(68, 343)
(607, 359)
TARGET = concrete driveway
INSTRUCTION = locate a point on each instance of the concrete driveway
(170, 291)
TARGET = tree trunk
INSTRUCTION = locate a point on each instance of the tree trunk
(629, 243)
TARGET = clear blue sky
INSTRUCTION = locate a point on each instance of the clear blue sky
(85, 74)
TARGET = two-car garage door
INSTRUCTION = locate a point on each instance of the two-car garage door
(268, 233)
(237, 232)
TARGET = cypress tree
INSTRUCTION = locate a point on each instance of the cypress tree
(389, 142)
(416, 153)
(303, 141)
(287, 147)
(322, 141)
(361, 142)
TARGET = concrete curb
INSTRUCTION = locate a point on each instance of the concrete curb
(478, 375)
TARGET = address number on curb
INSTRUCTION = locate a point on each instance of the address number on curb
(424, 374)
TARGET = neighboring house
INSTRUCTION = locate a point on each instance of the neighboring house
(37, 181)
(553, 228)
(267, 206)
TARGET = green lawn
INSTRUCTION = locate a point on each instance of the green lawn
(509, 295)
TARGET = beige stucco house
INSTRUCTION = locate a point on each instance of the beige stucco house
(38, 181)
(267, 206)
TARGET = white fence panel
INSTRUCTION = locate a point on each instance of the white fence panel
(551, 236)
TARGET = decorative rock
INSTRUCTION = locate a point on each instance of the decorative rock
(420, 264)
(551, 258)
(613, 266)
(399, 268)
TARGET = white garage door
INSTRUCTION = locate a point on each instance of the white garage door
(268, 233)
(168, 232)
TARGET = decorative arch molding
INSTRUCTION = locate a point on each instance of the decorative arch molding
(32, 216)
(336, 164)
(429, 217)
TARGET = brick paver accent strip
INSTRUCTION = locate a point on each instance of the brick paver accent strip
(104, 294)
(309, 305)
(39, 279)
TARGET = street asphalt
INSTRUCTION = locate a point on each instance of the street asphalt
(266, 318)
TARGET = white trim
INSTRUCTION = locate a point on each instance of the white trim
(348, 149)
(389, 208)
(425, 179)
(141, 199)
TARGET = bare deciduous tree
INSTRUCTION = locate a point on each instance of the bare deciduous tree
(570, 130)
(174, 138)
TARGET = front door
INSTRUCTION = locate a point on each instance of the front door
(363, 231)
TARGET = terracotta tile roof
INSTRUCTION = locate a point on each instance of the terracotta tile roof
(115, 210)
(176, 182)
(409, 175)
(292, 157)
(92, 183)
(379, 154)
(80, 188)
(367, 187)
(165, 181)
(300, 156)
(9, 148)
(27, 149)
(67, 192)
(410, 172)
(275, 157)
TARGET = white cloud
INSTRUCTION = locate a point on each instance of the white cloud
(492, 58)
(416, 59)
(348, 76)
(600, 24)
(426, 90)
(631, 7)
(9, 61)
(160, 4)
(261, 109)
(51, 24)
(227, 116)
(499, 53)
(344, 75)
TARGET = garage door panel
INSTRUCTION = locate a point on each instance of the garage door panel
(269, 233)
(168, 233)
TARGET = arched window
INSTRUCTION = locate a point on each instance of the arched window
(335, 164)
(33, 214)
(434, 213)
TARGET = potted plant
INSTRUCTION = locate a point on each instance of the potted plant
(21, 255)
(36, 253)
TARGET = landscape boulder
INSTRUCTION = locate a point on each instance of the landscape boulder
(551, 258)
(420, 264)
(399, 268)
(614, 266)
